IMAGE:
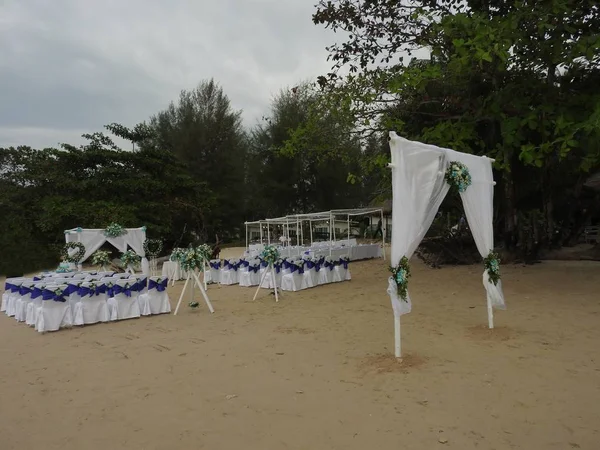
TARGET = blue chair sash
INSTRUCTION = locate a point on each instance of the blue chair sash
(47, 294)
(160, 287)
(36, 292)
(23, 290)
(37, 279)
(215, 265)
(14, 288)
(123, 290)
(84, 291)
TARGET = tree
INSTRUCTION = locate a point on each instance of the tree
(205, 134)
(511, 80)
(300, 166)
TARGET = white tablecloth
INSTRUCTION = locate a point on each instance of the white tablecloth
(172, 270)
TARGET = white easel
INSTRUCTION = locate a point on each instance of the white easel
(195, 282)
(270, 269)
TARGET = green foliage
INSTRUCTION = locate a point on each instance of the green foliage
(516, 81)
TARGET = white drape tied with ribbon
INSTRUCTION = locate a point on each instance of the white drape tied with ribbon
(419, 187)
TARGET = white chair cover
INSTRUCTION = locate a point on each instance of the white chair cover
(92, 307)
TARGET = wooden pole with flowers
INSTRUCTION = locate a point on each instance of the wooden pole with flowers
(205, 252)
(191, 261)
(270, 254)
(400, 276)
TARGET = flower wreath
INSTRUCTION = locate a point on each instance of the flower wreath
(152, 247)
(401, 274)
(270, 254)
(492, 265)
(458, 176)
(78, 256)
(114, 230)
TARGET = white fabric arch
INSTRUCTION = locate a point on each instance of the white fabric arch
(418, 189)
(93, 238)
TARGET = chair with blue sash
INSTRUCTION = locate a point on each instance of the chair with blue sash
(55, 312)
(214, 271)
(36, 301)
(93, 306)
(24, 299)
(341, 271)
(229, 273)
(293, 281)
(326, 270)
(124, 302)
(157, 298)
(251, 276)
(310, 278)
(14, 289)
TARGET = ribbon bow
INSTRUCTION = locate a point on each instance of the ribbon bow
(159, 286)
(24, 290)
(36, 292)
(123, 290)
(57, 296)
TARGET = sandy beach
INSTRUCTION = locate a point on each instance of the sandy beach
(316, 370)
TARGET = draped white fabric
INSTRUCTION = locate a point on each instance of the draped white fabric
(135, 238)
(419, 188)
(93, 239)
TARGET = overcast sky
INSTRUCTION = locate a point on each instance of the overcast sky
(69, 67)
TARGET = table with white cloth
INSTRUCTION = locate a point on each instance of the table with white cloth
(173, 271)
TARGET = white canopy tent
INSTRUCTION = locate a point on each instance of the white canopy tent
(93, 238)
(418, 189)
(298, 220)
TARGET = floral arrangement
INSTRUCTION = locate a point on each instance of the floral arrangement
(458, 176)
(492, 265)
(190, 260)
(101, 258)
(152, 247)
(130, 257)
(401, 274)
(177, 254)
(114, 230)
(204, 251)
(75, 258)
(270, 254)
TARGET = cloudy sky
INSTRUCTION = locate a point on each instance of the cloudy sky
(71, 66)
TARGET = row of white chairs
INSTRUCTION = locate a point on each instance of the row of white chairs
(55, 302)
(285, 278)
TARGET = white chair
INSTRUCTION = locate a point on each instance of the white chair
(124, 303)
(326, 271)
(341, 272)
(55, 312)
(23, 301)
(93, 306)
(229, 273)
(292, 281)
(310, 277)
(250, 276)
(13, 295)
(157, 299)
(32, 308)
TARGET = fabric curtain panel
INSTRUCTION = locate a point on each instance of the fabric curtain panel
(419, 187)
